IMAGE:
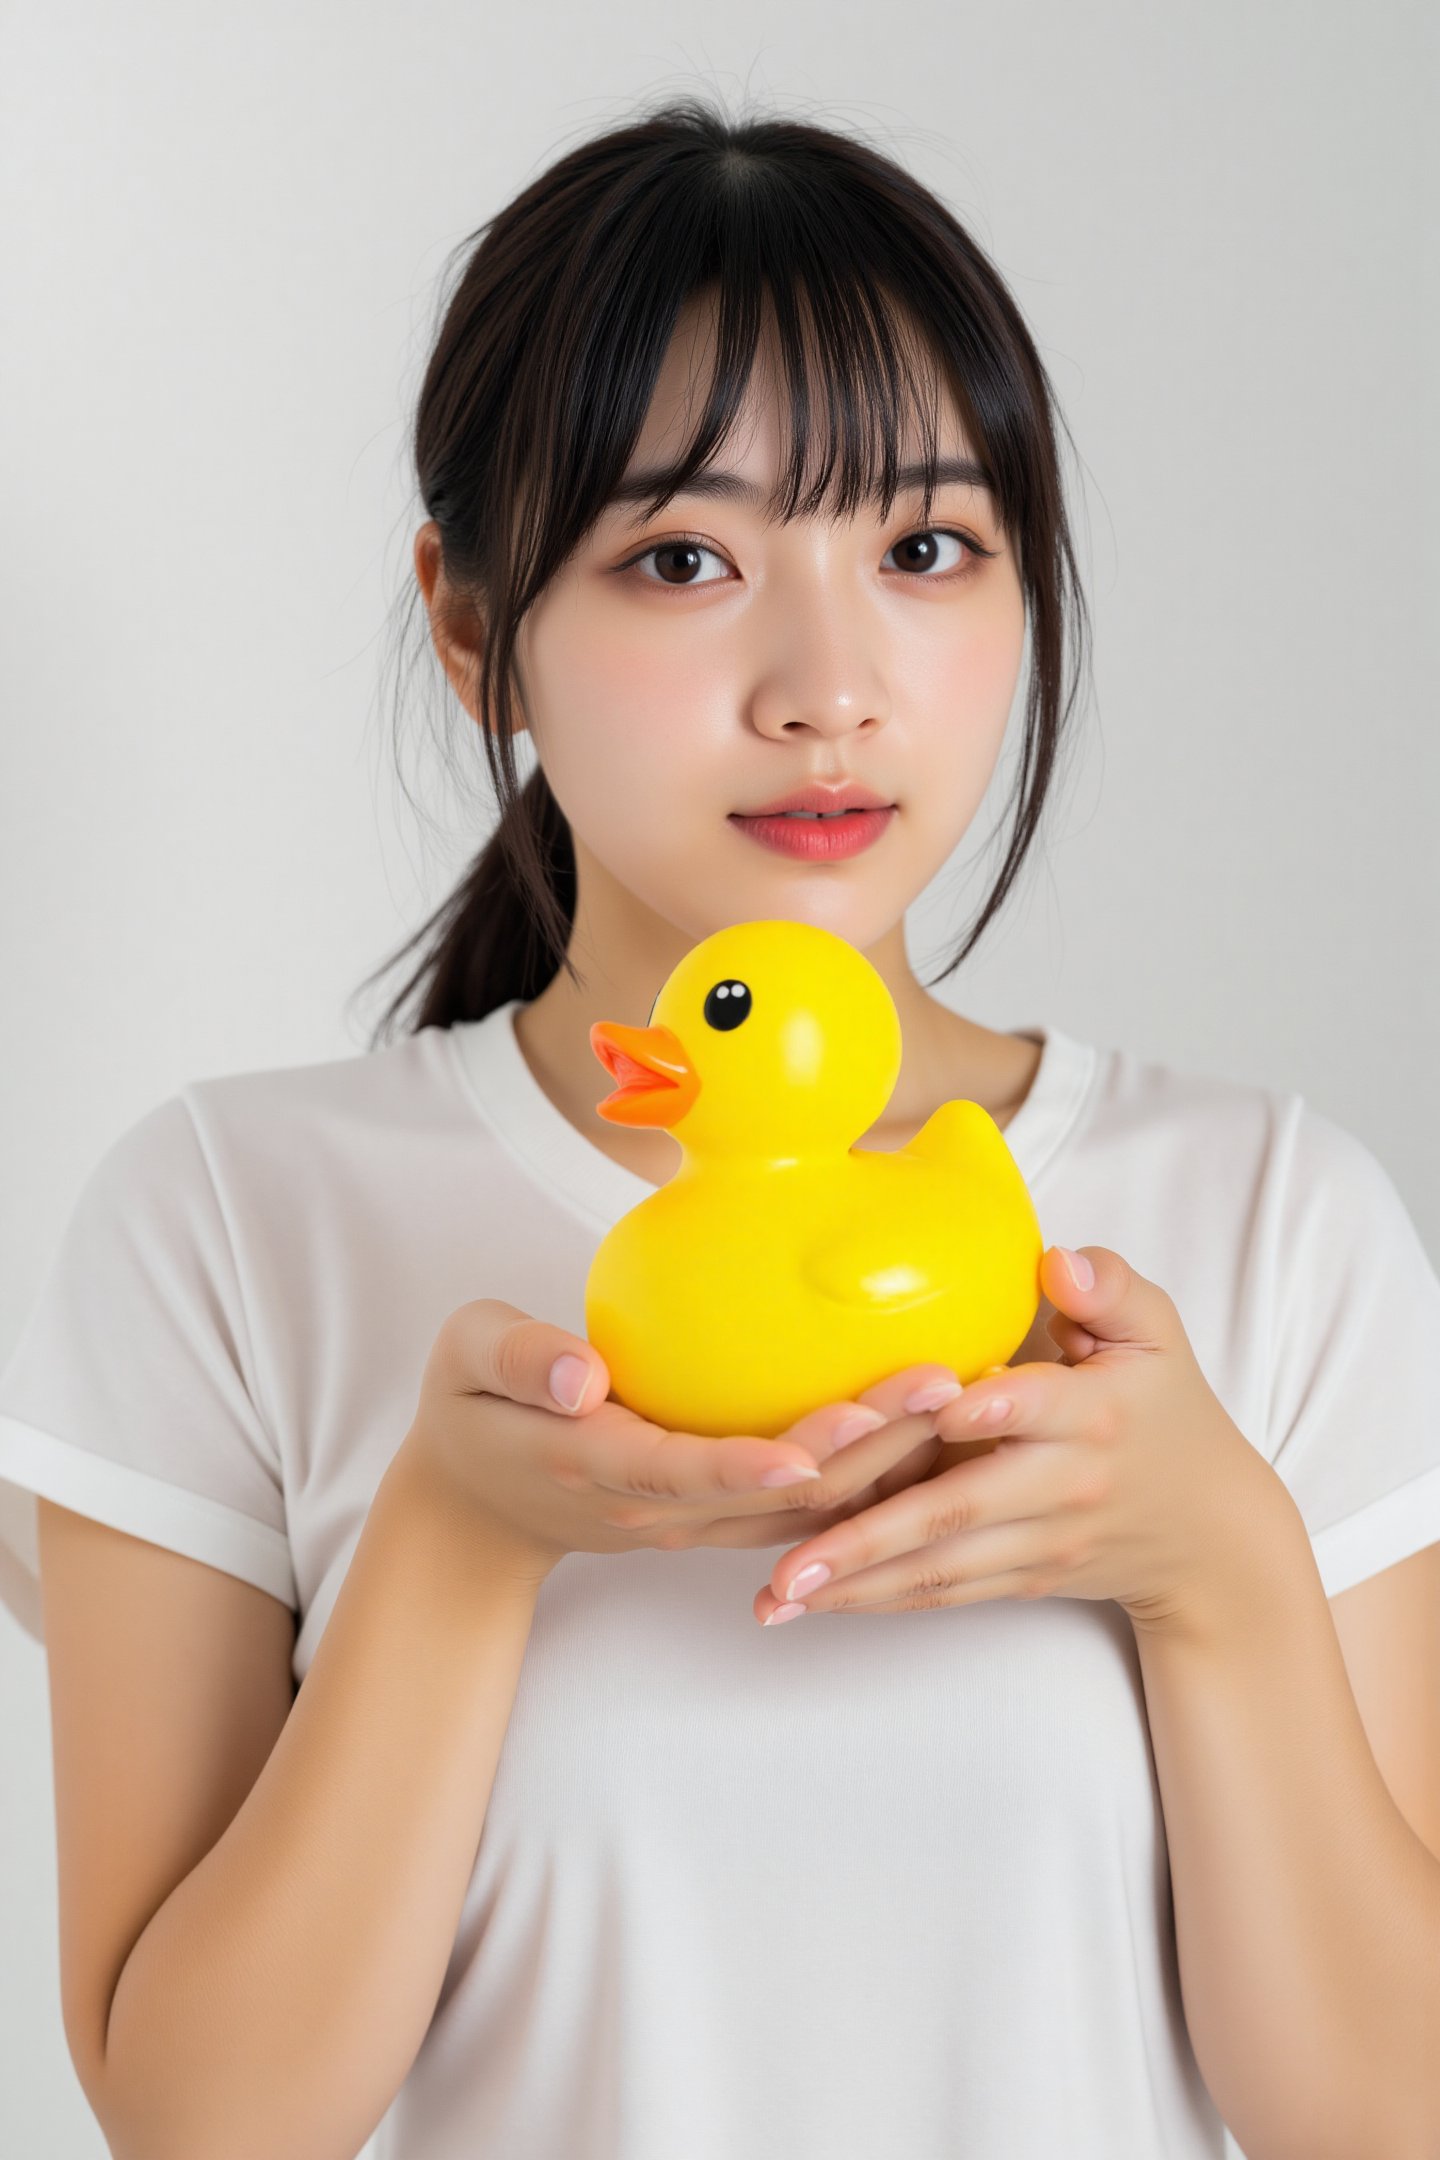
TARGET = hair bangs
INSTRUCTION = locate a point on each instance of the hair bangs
(861, 389)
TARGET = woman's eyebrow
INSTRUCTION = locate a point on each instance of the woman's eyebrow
(640, 486)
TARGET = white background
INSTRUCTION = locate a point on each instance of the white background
(222, 228)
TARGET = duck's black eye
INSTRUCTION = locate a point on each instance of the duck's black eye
(728, 1004)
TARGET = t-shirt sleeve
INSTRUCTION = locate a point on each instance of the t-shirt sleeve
(130, 1393)
(1354, 1411)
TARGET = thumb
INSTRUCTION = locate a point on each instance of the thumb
(569, 1378)
(492, 1347)
(1106, 1295)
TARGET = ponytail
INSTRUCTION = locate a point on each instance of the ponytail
(504, 930)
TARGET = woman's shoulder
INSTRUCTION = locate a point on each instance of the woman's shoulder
(270, 1138)
(1261, 1144)
(391, 1074)
(1158, 1142)
(1149, 1094)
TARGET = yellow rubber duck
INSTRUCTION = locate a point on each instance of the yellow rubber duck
(781, 1267)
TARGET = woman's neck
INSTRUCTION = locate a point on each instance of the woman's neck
(944, 1057)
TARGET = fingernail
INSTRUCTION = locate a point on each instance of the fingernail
(808, 1579)
(783, 1612)
(568, 1376)
(788, 1474)
(1082, 1274)
(855, 1423)
(933, 1394)
(993, 1412)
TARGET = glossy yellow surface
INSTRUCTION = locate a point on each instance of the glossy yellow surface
(781, 1267)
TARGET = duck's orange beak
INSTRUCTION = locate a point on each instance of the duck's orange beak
(654, 1081)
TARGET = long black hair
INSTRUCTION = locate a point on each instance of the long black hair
(539, 382)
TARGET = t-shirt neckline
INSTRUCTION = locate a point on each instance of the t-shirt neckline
(498, 1080)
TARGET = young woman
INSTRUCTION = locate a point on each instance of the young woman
(1097, 1804)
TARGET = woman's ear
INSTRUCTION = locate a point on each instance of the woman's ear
(455, 627)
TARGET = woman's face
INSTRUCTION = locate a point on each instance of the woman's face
(665, 691)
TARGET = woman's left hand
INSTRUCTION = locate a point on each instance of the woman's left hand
(1116, 1474)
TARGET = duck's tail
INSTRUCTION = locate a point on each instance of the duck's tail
(962, 1135)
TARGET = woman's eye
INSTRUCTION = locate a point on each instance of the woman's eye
(678, 555)
(678, 560)
(923, 549)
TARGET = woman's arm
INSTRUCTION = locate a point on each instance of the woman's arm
(277, 1999)
(1307, 1911)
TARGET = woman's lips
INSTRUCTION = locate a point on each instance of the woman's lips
(826, 839)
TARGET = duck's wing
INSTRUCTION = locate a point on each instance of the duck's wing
(881, 1268)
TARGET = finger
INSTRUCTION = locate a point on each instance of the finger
(492, 1347)
(1075, 1341)
(897, 1451)
(1014, 1482)
(1014, 1583)
(889, 1459)
(810, 1520)
(927, 1387)
(1036, 1399)
(1118, 1304)
(700, 1472)
(628, 1454)
(911, 1469)
(764, 1529)
(748, 1528)
(1021, 1551)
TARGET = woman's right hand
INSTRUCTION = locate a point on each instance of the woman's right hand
(543, 1480)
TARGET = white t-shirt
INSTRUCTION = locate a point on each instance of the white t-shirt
(951, 1816)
